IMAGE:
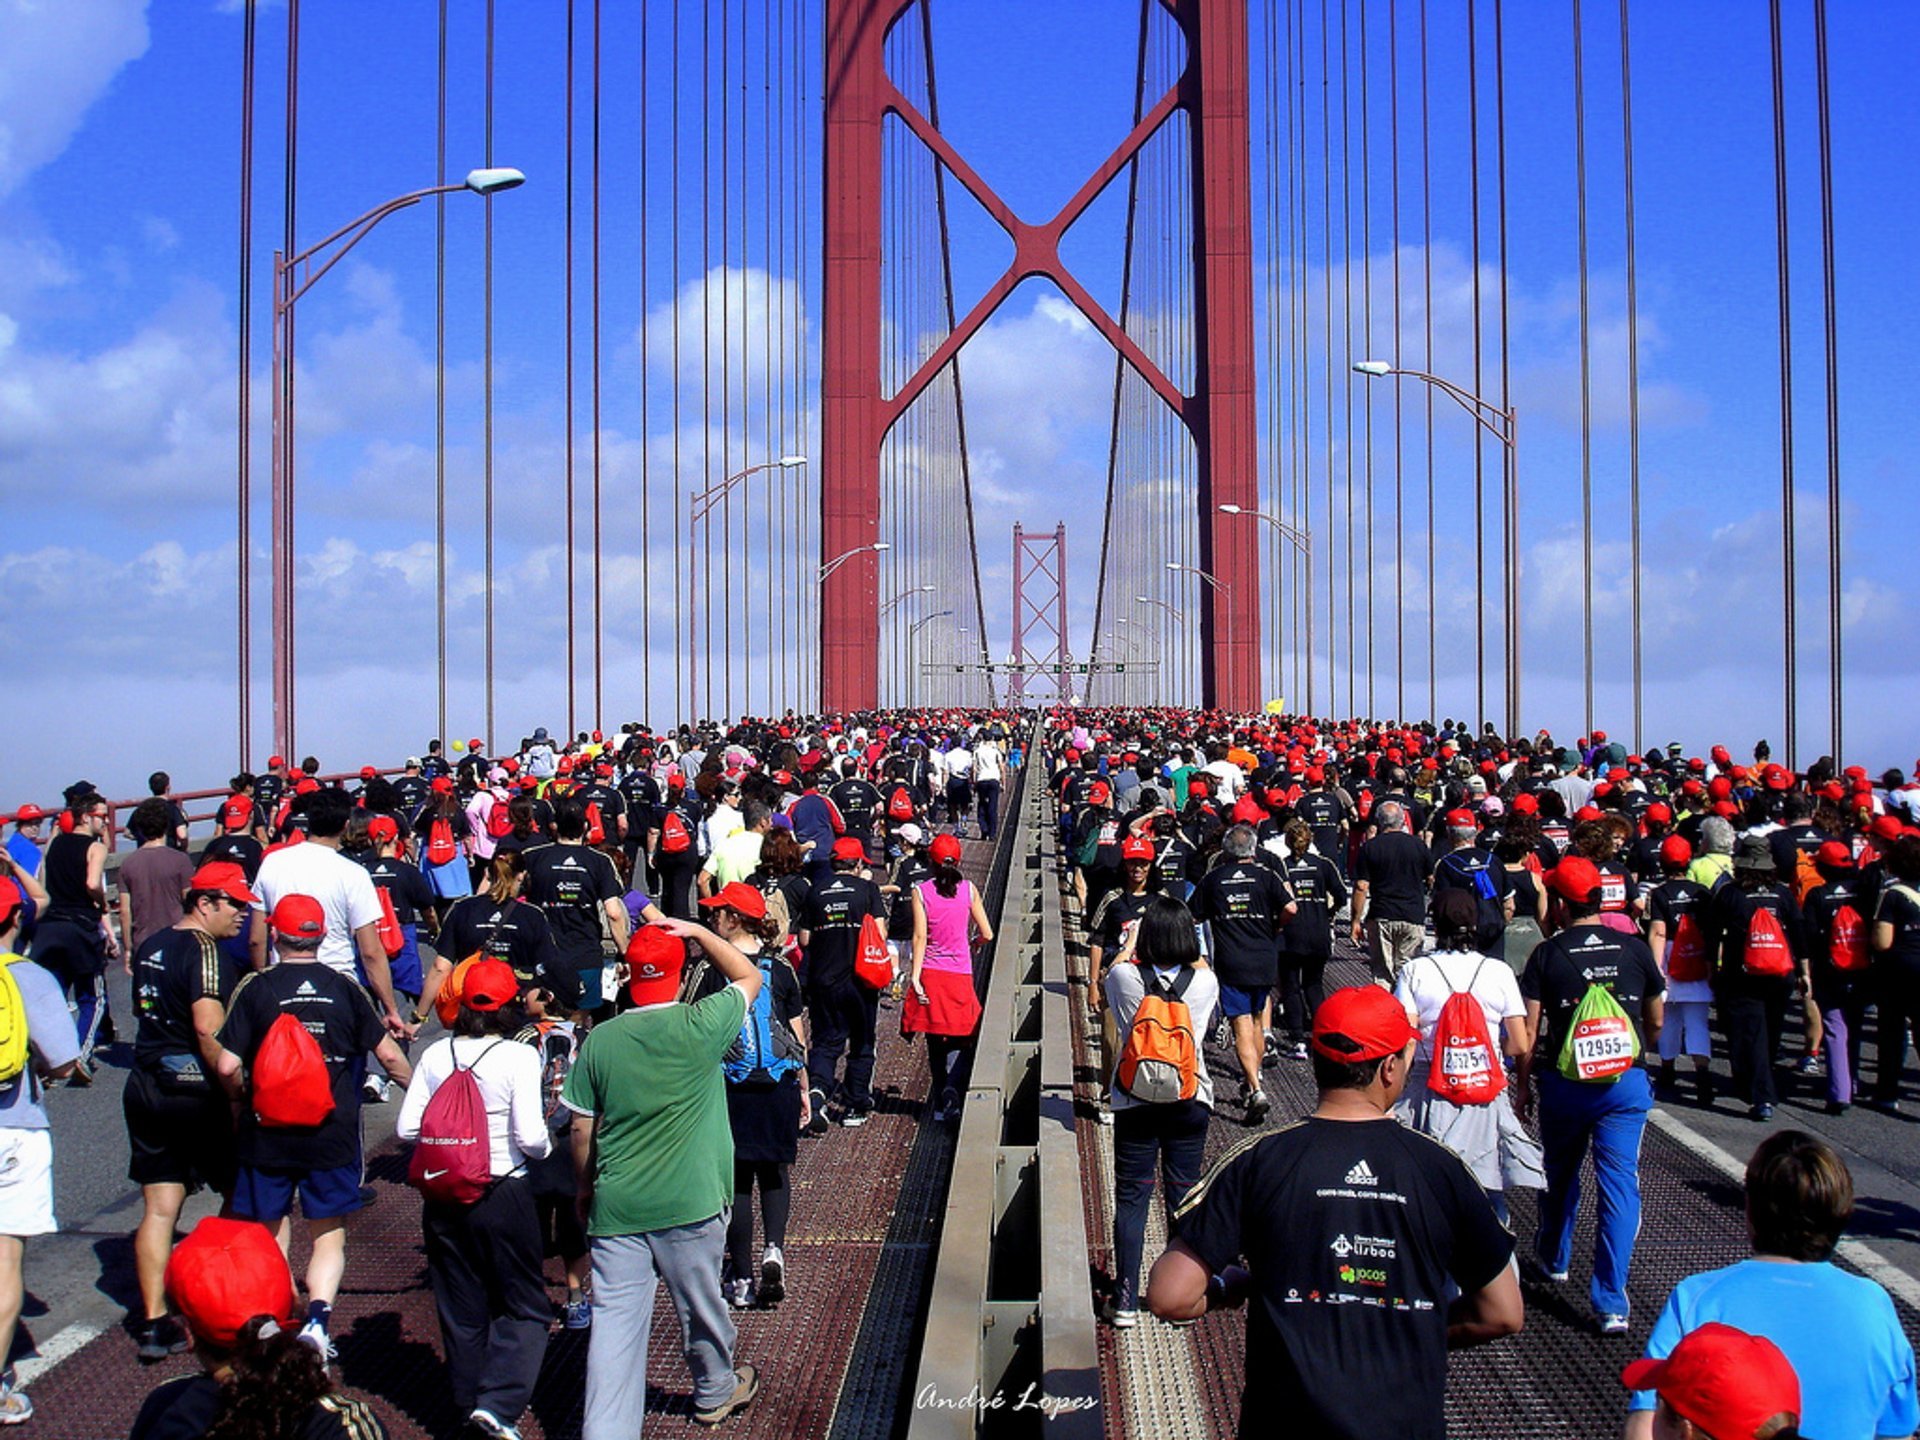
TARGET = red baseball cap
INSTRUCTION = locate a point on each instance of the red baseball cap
(9, 902)
(1526, 803)
(383, 827)
(848, 847)
(1660, 814)
(1362, 1022)
(1136, 847)
(488, 985)
(225, 878)
(300, 917)
(28, 813)
(945, 850)
(274, 762)
(1586, 813)
(1886, 827)
(1675, 850)
(1727, 1382)
(368, 772)
(738, 895)
(1778, 777)
(1461, 820)
(1834, 854)
(654, 962)
(1098, 793)
(305, 785)
(226, 1274)
(1576, 878)
(443, 784)
(474, 744)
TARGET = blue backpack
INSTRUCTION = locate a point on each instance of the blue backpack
(765, 1051)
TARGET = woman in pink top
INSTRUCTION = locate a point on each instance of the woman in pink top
(948, 923)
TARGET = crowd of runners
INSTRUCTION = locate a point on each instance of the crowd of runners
(612, 984)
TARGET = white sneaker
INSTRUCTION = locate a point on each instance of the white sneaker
(374, 1090)
(315, 1334)
(773, 1275)
(490, 1424)
(740, 1294)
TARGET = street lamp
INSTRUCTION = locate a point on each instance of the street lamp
(913, 633)
(906, 594)
(1221, 585)
(1504, 426)
(1174, 610)
(293, 277)
(834, 564)
(709, 497)
(1302, 541)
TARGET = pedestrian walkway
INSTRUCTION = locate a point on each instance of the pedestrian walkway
(837, 1356)
(1173, 1383)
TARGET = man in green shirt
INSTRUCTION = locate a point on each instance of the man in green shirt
(654, 1154)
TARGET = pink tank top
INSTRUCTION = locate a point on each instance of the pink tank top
(949, 922)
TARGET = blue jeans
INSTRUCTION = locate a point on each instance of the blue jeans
(1610, 1119)
(1173, 1137)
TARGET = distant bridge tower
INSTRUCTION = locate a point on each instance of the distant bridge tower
(1039, 610)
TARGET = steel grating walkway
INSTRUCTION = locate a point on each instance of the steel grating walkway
(1558, 1378)
(836, 1357)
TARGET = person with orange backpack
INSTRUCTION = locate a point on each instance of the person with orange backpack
(293, 1054)
(1162, 996)
(1679, 928)
(1840, 952)
(1762, 961)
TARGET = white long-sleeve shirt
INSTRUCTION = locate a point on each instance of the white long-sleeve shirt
(508, 1075)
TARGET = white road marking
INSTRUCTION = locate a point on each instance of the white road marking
(62, 1346)
(1857, 1253)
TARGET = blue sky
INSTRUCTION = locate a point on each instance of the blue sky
(118, 204)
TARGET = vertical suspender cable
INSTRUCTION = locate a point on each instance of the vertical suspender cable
(1511, 496)
(243, 500)
(1586, 367)
(683, 709)
(646, 433)
(1399, 436)
(1782, 257)
(769, 267)
(1633, 377)
(440, 387)
(726, 357)
(1326, 315)
(1829, 295)
(1346, 368)
(1479, 449)
(283, 563)
(573, 661)
(1304, 512)
(487, 385)
(706, 356)
(1426, 360)
(599, 568)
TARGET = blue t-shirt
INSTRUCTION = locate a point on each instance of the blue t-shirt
(25, 853)
(1840, 1332)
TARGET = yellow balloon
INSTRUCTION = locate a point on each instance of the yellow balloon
(458, 746)
(1277, 706)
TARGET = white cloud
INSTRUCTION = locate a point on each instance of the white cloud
(57, 58)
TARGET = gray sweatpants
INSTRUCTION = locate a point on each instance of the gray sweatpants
(626, 1269)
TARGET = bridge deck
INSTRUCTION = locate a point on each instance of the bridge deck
(836, 1357)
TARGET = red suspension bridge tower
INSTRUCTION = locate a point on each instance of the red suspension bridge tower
(1219, 413)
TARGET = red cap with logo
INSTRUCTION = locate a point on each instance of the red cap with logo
(1834, 855)
(1136, 847)
(300, 917)
(1098, 793)
(945, 850)
(226, 1274)
(382, 828)
(1362, 1022)
(848, 847)
(1727, 1382)
(224, 878)
(443, 785)
(740, 896)
(1460, 820)
(28, 813)
(654, 962)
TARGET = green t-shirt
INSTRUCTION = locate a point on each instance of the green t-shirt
(1179, 779)
(652, 1078)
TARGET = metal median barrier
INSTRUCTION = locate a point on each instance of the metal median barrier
(1009, 1347)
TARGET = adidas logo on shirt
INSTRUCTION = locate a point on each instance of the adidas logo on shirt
(1362, 1174)
(306, 988)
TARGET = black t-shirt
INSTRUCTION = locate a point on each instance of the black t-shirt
(340, 1017)
(612, 809)
(1174, 862)
(185, 1408)
(1899, 906)
(516, 933)
(1461, 870)
(412, 791)
(1673, 900)
(858, 802)
(268, 791)
(642, 794)
(1319, 891)
(572, 884)
(1355, 1233)
(909, 872)
(172, 970)
(1246, 904)
(1395, 867)
(1733, 910)
(832, 917)
(1823, 902)
(1789, 842)
(1560, 970)
(404, 884)
(1116, 910)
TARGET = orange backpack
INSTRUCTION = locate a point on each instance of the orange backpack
(1767, 950)
(1160, 1062)
(447, 1003)
(1464, 1068)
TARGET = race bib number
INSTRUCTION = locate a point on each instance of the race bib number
(1465, 1061)
(1603, 1047)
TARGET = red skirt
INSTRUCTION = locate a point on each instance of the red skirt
(952, 1008)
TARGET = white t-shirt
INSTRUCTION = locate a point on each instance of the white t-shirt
(344, 889)
(987, 761)
(508, 1074)
(1426, 982)
(1229, 779)
(959, 764)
